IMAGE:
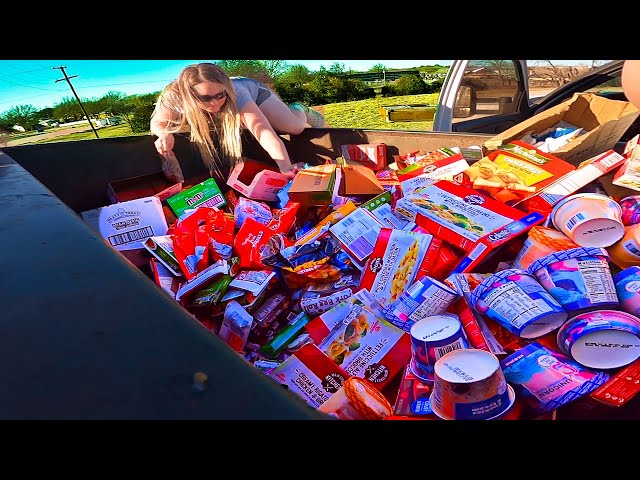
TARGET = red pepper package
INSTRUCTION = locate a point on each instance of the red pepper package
(253, 235)
(202, 237)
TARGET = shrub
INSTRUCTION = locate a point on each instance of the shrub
(289, 92)
(141, 119)
(410, 85)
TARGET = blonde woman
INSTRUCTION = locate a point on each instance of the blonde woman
(208, 103)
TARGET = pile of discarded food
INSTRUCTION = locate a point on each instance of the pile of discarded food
(495, 282)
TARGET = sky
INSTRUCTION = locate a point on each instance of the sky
(34, 82)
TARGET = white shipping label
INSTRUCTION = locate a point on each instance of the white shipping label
(358, 232)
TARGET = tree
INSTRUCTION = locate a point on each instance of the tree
(23, 115)
(549, 73)
(68, 110)
(44, 114)
(110, 100)
(337, 68)
(296, 74)
(246, 68)
(275, 68)
(135, 110)
(378, 67)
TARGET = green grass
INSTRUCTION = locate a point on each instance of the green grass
(122, 130)
(357, 114)
(366, 113)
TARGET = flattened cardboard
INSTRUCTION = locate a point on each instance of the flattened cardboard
(358, 180)
(605, 121)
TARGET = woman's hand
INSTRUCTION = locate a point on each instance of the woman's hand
(164, 143)
(290, 171)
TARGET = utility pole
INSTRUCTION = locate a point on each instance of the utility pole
(68, 79)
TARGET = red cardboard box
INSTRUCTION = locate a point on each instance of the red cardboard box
(372, 155)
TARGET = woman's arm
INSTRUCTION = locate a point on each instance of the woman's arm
(261, 129)
(159, 120)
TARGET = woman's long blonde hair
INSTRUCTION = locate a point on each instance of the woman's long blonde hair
(226, 123)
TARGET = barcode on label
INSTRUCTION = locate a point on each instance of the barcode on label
(347, 222)
(361, 247)
(574, 220)
(213, 201)
(132, 236)
(457, 345)
(632, 247)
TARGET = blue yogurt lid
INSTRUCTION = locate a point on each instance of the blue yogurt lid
(566, 255)
(486, 283)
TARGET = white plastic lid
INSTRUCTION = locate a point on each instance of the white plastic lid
(604, 349)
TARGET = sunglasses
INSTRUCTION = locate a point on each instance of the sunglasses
(208, 98)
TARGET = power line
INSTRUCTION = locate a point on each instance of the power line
(21, 73)
(21, 85)
(68, 79)
(27, 98)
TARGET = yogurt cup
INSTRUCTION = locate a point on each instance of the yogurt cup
(515, 299)
(470, 385)
(541, 241)
(431, 338)
(589, 219)
(579, 279)
(630, 210)
(602, 339)
(628, 289)
(626, 252)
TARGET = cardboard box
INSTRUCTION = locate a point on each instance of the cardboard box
(515, 172)
(357, 234)
(314, 185)
(372, 155)
(605, 121)
(257, 181)
(420, 175)
(310, 374)
(126, 225)
(357, 179)
(368, 347)
(629, 175)
(544, 200)
(154, 184)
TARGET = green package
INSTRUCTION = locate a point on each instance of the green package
(205, 194)
(278, 343)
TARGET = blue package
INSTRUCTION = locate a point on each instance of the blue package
(283, 195)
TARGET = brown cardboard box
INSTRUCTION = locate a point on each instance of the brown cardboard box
(142, 186)
(605, 121)
(358, 179)
(314, 185)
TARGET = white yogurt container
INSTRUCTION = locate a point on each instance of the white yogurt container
(589, 219)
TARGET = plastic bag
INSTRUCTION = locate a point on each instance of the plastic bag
(171, 167)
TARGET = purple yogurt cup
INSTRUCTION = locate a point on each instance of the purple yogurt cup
(602, 339)
(579, 279)
(515, 299)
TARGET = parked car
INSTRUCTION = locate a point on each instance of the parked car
(490, 96)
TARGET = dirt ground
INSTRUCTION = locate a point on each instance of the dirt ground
(47, 135)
